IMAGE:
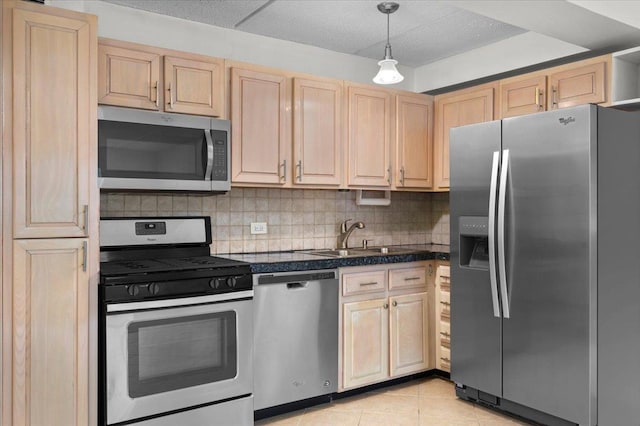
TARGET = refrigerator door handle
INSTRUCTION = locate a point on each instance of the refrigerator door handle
(501, 258)
(492, 232)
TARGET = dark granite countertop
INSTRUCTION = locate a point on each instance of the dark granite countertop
(303, 260)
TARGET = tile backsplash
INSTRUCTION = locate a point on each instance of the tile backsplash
(296, 218)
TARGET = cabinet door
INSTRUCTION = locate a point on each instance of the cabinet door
(523, 95)
(260, 128)
(453, 110)
(128, 77)
(317, 132)
(369, 137)
(193, 87)
(54, 123)
(578, 86)
(409, 333)
(414, 148)
(50, 333)
(366, 342)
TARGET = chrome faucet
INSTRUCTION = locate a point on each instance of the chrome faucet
(345, 232)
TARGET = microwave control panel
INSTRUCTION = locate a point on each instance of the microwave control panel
(220, 155)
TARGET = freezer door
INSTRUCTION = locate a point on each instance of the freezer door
(475, 331)
(549, 339)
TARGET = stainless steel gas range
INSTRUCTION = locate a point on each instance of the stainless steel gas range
(176, 326)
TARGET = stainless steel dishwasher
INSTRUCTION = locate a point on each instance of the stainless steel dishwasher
(295, 336)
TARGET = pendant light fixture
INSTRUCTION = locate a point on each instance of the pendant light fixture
(388, 73)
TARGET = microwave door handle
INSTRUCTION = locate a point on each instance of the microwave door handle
(207, 172)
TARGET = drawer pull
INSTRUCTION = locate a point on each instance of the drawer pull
(412, 278)
(445, 334)
(447, 360)
(369, 283)
(447, 304)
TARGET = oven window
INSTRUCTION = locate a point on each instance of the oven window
(144, 151)
(181, 352)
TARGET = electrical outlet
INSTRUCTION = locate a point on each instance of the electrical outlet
(258, 227)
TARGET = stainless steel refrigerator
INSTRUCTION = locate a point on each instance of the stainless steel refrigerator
(545, 265)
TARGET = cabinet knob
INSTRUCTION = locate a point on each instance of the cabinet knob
(395, 303)
(386, 306)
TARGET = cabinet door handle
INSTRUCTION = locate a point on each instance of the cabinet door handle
(299, 167)
(395, 303)
(389, 175)
(430, 270)
(538, 99)
(85, 219)
(554, 96)
(170, 103)
(157, 87)
(369, 283)
(402, 175)
(386, 306)
(84, 256)
(284, 170)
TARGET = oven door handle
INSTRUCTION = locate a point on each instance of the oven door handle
(178, 302)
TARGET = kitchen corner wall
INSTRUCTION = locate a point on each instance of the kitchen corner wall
(296, 218)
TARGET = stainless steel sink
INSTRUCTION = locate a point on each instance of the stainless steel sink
(360, 251)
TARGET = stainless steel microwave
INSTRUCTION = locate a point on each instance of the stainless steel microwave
(157, 151)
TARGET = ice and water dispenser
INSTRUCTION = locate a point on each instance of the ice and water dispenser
(474, 242)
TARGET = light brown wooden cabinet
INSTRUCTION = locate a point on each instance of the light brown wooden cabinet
(369, 129)
(51, 332)
(413, 143)
(384, 323)
(467, 106)
(50, 104)
(260, 124)
(317, 132)
(287, 129)
(139, 76)
(559, 87)
(443, 316)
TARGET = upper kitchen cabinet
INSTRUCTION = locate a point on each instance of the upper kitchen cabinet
(260, 125)
(317, 132)
(369, 130)
(139, 76)
(414, 148)
(625, 78)
(459, 108)
(564, 86)
(54, 123)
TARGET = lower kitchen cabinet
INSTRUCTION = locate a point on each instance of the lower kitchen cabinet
(366, 342)
(443, 316)
(50, 332)
(384, 330)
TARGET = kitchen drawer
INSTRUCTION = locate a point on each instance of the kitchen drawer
(415, 277)
(444, 336)
(445, 310)
(445, 296)
(445, 359)
(445, 271)
(363, 282)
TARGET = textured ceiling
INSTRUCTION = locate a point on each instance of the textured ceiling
(420, 31)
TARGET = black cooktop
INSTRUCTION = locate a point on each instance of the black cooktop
(141, 266)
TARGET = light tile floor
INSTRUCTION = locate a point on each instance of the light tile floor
(423, 402)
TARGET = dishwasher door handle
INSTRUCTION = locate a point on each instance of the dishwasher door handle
(294, 286)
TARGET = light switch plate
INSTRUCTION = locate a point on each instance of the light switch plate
(258, 227)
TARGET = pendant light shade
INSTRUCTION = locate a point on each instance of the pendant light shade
(388, 73)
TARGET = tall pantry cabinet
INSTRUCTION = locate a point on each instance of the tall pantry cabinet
(50, 215)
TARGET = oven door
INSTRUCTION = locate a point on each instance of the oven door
(173, 354)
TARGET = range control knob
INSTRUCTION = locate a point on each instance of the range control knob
(231, 282)
(216, 283)
(154, 288)
(133, 289)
